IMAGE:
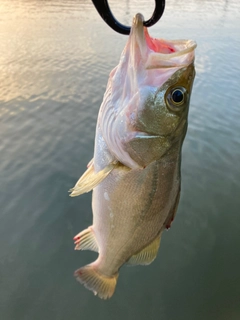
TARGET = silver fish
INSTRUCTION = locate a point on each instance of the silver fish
(135, 171)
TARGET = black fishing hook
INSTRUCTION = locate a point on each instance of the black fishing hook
(105, 12)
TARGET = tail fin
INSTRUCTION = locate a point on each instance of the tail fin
(100, 284)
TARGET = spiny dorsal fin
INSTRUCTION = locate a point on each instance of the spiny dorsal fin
(90, 179)
(85, 240)
(147, 255)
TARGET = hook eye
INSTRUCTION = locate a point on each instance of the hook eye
(106, 14)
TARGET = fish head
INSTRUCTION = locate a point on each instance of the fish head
(163, 76)
(165, 110)
(145, 107)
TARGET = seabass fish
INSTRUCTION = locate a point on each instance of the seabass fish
(135, 171)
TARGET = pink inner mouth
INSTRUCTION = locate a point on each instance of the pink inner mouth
(157, 45)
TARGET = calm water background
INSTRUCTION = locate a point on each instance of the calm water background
(55, 57)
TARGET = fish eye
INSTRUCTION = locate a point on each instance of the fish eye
(176, 97)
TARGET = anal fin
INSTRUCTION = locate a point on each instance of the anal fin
(85, 240)
(147, 255)
(90, 179)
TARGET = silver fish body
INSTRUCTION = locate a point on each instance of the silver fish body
(135, 171)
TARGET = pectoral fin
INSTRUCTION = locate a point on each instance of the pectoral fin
(147, 255)
(90, 179)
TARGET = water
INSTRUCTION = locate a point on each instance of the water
(55, 57)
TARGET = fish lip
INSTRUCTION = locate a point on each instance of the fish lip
(138, 19)
(182, 57)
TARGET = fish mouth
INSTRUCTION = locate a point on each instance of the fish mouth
(161, 53)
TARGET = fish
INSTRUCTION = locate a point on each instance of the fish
(135, 173)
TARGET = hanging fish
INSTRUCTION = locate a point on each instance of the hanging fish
(135, 171)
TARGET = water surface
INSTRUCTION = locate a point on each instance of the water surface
(55, 57)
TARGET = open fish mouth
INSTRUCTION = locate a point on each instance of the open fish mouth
(160, 53)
